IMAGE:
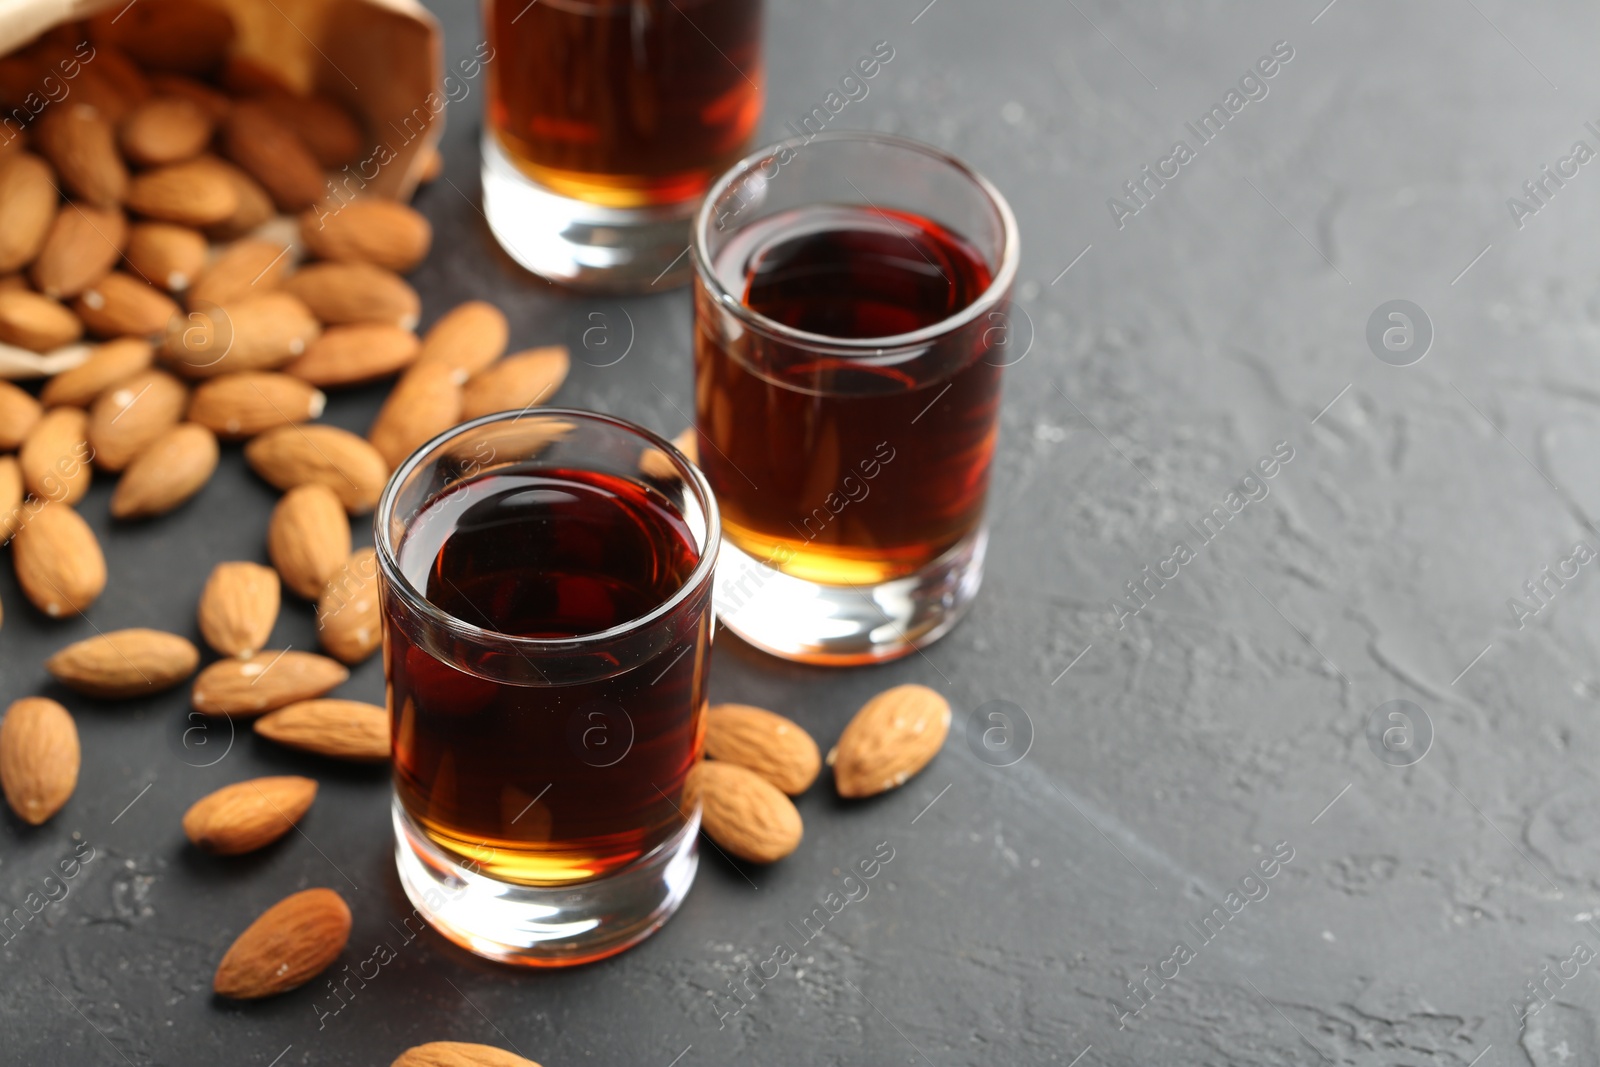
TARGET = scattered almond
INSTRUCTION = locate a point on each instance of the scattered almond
(39, 758)
(308, 538)
(459, 1054)
(264, 682)
(468, 338)
(742, 811)
(83, 244)
(107, 365)
(172, 469)
(291, 943)
(516, 382)
(19, 411)
(121, 305)
(248, 267)
(423, 404)
(245, 816)
(261, 332)
(688, 442)
(124, 664)
(339, 729)
(165, 254)
(321, 455)
(253, 205)
(774, 747)
(128, 417)
(80, 143)
(384, 233)
(349, 355)
(325, 127)
(27, 208)
(164, 129)
(273, 154)
(58, 561)
(349, 624)
(236, 406)
(29, 320)
(342, 294)
(892, 737)
(238, 608)
(55, 457)
(192, 193)
(10, 496)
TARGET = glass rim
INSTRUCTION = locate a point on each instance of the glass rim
(1004, 275)
(389, 564)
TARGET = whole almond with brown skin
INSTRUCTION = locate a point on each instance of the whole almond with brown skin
(349, 624)
(765, 742)
(175, 467)
(273, 154)
(253, 205)
(245, 816)
(238, 608)
(321, 455)
(742, 811)
(99, 90)
(39, 758)
(10, 496)
(467, 339)
(308, 539)
(19, 411)
(58, 561)
(82, 146)
(264, 682)
(332, 136)
(166, 254)
(342, 294)
(892, 737)
(371, 230)
(349, 355)
(127, 418)
(245, 76)
(248, 267)
(29, 320)
(338, 729)
(108, 364)
(120, 305)
(124, 664)
(291, 943)
(257, 333)
(27, 208)
(130, 83)
(192, 193)
(423, 404)
(215, 104)
(459, 1054)
(164, 129)
(55, 457)
(519, 381)
(237, 406)
(83, 244)
(185, 36)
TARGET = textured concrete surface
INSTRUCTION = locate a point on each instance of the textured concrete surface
(1230, 713)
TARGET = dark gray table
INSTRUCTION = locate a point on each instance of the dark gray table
(1228, 313)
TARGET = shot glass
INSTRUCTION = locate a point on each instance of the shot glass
(546, 589)
(607, 121)
(851, 326)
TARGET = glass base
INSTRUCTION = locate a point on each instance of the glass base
(544, 926)
(576, 243)
(847, 625)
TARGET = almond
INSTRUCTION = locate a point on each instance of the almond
(468, 338)
(29, 320)
(27, 208)
(264, 682)
(258, 333)
(349, 355)
(342, 294)
(892, 737)
(80, 143)
(83, 244)
(424, 403)
(326, 128)
(166, 255)
(124, 663)
(55, 457)
(59, 563)
(192, 193)
(774, 747)
(164, 129)
(186, 36)
(244, 76)
(339, 729)
(245, 816)
(123, 75)
(688, 442)
(175, 467)
(238, 608)
(381, 232)
(19, 411)
(236, 406)
(291, 943)
(432, 166)
(519, 381)
(273, 154)
(253, 206)
(121, 305)
(349, 624)
(247, 267)
(98, 89)
(126, 419)
(742, 811)
(39, 758)
(459, 1054)
(107, 365)
(308, 539)
(10, 496)
(215, 104)
(321, 455)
